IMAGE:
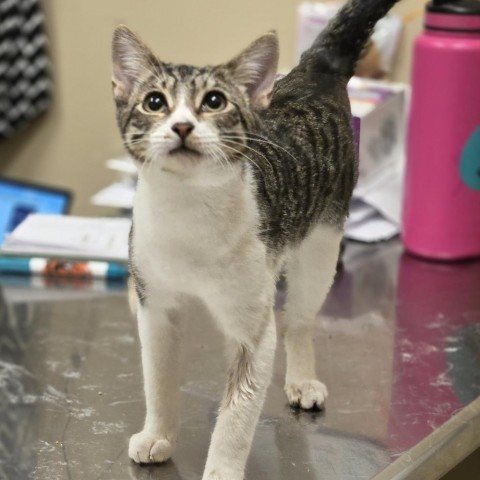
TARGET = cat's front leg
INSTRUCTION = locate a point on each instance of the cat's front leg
(160, 336)
(248, 378)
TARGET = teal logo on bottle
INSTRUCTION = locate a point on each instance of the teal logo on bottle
(470, 161)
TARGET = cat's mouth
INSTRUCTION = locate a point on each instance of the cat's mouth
(184, 150)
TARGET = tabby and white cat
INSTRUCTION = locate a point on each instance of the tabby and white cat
(239, 177)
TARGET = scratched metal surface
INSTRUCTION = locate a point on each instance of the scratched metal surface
(398, 344)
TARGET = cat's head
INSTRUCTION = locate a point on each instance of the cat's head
(179, 116)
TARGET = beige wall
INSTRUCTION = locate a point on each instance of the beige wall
(69, 145)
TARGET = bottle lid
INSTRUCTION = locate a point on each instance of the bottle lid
(454, 7)
(460, 17)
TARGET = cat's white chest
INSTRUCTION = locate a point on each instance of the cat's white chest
(188, 238)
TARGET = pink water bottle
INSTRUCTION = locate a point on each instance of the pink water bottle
(441, 214)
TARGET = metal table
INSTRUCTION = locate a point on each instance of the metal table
(398, 345)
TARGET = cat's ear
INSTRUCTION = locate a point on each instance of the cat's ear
(130, 57)
(256, 67)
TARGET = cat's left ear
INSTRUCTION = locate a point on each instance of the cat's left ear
(130, 58)
(256, 67)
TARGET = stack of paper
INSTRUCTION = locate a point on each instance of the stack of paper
(79, 238)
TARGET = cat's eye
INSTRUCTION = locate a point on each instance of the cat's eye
(155, 102)
(214, 101)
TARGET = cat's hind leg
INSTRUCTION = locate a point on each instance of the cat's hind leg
(310, 272)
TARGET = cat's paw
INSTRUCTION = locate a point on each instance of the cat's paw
(308, 394)
(145, 447)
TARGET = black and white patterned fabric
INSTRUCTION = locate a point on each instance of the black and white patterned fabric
(25, 84)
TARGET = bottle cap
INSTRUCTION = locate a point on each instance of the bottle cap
(454, 7)
(455, 16)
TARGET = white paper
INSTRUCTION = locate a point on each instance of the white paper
(366, 224)
(375, 212)
(70, 237)
(385, 194)
(375, 230)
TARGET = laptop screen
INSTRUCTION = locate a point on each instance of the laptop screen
(19, 199)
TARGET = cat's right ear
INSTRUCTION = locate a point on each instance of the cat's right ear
(130, 57)
(256, 67)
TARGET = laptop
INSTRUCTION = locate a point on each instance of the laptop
(18, 199)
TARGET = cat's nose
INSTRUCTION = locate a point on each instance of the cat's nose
(182, 129)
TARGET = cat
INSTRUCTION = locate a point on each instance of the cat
(240, 177)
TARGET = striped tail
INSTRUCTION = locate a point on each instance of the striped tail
(338, 48)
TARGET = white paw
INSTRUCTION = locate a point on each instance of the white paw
(308, 394)
(145, 447)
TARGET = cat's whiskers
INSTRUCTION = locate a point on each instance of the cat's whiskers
(158, 143)
(244, 155)
(135, 138)
(147, 166)
(250, 148)
(219, 154)
(130, 135)
(135, 142)
(264, 140)
(255, 137)
(275, 145)
(250, 160)
(211, 145)
(137, 132)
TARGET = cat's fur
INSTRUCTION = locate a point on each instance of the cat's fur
(264, 184)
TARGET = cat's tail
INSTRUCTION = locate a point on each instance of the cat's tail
(338, 48)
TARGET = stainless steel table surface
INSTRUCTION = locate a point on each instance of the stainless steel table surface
(398, 345)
